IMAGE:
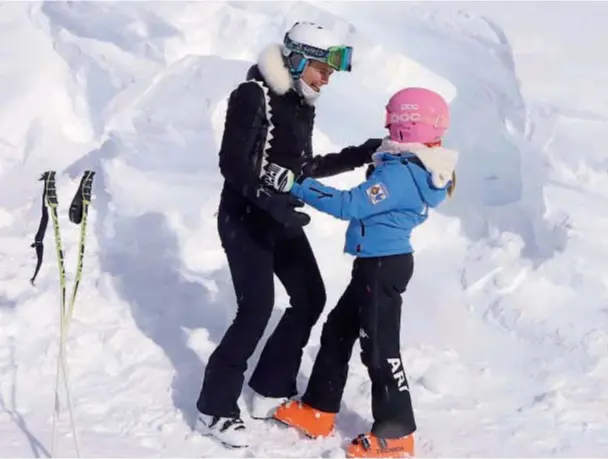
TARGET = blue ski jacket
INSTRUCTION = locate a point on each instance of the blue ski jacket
(383, 210)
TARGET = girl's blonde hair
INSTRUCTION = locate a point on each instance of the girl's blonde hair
(452, 186)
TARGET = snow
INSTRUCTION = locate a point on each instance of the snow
(504, 327)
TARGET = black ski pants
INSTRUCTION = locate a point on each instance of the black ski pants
(369, 309)
(255, 254)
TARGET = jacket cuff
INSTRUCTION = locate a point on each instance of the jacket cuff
(296, 190)
(299, 187)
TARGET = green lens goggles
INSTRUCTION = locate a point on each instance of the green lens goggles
(337, 57)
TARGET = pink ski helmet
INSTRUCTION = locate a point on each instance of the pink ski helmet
(417, 115)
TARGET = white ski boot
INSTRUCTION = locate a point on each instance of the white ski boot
(232, 432)
(264, 407)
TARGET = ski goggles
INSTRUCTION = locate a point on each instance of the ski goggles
(337, 57)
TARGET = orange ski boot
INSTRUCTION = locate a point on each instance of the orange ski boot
(368, 445)
(306, 419)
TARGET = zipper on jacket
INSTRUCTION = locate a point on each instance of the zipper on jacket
(362, 235)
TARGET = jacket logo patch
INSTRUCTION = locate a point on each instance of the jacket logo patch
(377, 193)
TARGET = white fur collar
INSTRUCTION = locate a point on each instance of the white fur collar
(439, 161)
(271, 65)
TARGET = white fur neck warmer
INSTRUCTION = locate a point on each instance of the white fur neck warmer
(439, 161)
(271, 65)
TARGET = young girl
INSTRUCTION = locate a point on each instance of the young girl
(412, 173)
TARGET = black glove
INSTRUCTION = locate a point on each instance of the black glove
(282, 207)
(364, 152)
(370, 146)
(370, 169)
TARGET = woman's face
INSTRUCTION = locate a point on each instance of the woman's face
(316, 74)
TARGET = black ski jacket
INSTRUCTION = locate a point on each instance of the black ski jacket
(267, 118)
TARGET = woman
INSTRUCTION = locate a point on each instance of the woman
(269, 125)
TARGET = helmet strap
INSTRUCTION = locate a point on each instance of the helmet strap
(296, 63)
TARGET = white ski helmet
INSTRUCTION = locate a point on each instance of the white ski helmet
(307, 40)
